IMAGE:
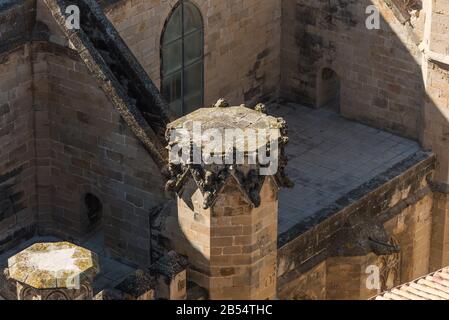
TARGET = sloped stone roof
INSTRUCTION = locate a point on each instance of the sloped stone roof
(434, 286)
(119, 74)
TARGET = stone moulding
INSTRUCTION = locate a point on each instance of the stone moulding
(211, 183)
(439, 187)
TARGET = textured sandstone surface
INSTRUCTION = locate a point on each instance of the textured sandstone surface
(53, 265)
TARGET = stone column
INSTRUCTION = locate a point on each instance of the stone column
(435, 127)
(54, 271)
(228, 212)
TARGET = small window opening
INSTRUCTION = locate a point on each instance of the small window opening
(94, 208)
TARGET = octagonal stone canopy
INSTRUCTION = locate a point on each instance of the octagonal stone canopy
(249, 168)
(53, 265)
(222, 117)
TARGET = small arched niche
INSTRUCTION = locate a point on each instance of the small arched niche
(94, 211)
(328, 90)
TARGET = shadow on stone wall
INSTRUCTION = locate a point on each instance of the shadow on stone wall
(382, 85)
(381, 79)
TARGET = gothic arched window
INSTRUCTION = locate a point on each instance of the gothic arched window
(182, 51)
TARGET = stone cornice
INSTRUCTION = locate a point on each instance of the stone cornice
(210, 178)
(439, 187)
(353, 216)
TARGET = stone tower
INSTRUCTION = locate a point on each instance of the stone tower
(228, 212)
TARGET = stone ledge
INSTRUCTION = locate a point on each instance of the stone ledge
(421, 158)
(439, 187)
(371, 202)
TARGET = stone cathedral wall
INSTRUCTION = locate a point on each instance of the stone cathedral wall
(86, 149)
(17, 147)
(320, 264)
(381, 82)
(70, 166)
(242, 44)
(436, 122)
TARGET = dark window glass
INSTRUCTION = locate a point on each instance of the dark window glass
(173, 30)
(193, 50)
(192, 18)
(192, 76)
(193, 94)
(171, 86)
(182, 65)
(172, 57)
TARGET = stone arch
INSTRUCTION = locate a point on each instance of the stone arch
(57, 295)
(328, 89)
(95, 216)
(92, 209)
(28, 293)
